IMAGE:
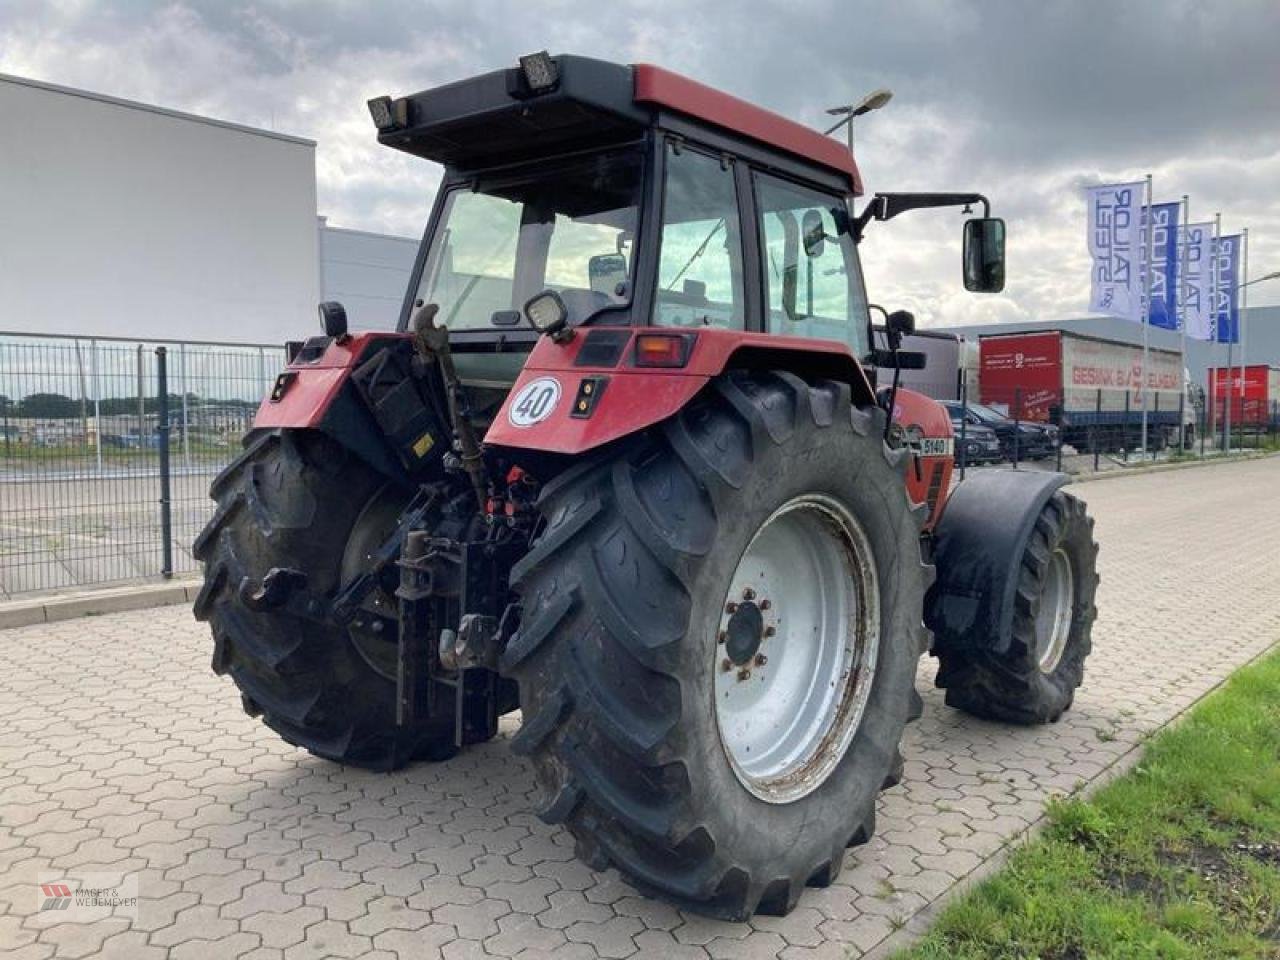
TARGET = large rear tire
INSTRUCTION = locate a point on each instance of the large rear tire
(644, 605)
(1035, 679)
(293, 500)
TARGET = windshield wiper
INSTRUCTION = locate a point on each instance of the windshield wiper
(696, 254)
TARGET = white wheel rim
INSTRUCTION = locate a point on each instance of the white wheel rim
(796, 650)
(1053, 619)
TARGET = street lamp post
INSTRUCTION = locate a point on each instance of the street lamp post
(872, 101)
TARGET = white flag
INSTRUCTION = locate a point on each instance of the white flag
(1197, 283)
(1115, 243)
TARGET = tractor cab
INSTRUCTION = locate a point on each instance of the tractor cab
(631, 196)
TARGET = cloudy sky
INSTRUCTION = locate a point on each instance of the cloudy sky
(1026, 102)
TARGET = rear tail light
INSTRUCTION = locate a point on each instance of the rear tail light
(663, 349)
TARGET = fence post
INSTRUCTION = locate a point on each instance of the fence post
(142, 404)
(1157, 424)
(1017, 423)
(1124, 430)
(1206, 420)
(1182, 429)
(1093, 429)
(186, 423)
(166, 515)
(97, 404)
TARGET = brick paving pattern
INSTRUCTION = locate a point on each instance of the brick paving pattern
(120, 752)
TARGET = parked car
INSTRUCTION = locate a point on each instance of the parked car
(1035, 441)
(980, 442)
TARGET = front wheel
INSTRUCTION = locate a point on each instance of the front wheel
(717, 653)
(1035, 679)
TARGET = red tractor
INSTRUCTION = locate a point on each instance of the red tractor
(623, 469)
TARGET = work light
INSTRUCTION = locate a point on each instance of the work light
(548, 315)
(540, 71)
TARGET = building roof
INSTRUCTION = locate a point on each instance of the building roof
(151, 108)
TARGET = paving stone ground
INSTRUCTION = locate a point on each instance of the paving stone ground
(120, 752)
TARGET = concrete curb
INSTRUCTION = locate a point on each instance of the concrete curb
(1141, 471)
(920, 922)
(49, 609)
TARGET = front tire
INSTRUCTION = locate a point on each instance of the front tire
(1035, 679)
(629, 599)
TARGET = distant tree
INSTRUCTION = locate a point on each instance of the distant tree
(48, 406)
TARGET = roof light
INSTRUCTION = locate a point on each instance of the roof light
(663, 349)
(380, 110)
(389, 114)
(540, 71)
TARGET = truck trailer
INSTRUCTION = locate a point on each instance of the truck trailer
(1255, 395)
(1090, 387)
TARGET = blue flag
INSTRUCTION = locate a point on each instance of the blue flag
(1163, 283)
(1226, 314)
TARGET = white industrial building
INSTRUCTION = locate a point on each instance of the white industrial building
(129, 220)
(367, 273)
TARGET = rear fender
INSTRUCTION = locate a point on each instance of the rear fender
(587, 392)
(315, 392)
(979, 544)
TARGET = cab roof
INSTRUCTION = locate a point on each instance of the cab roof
(497, 118)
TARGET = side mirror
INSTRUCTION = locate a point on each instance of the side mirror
(606, 271)
(984, 255)
(813, 235)
(900, 323)
(333, 319)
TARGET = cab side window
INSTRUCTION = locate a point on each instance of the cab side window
(700, 263)
(813, 286)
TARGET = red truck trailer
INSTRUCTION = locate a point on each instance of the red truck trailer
(1257, 405)
(1090, 387)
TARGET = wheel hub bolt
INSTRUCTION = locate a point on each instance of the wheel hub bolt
(744, 674)
(765, 604)
(761, 659)
(769, 631)
(748, 594)
(726, 664)
(731, 607)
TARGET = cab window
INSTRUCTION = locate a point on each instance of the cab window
(700, 263)
(813, 285)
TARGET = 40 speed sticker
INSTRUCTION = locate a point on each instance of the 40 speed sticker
(534, 402)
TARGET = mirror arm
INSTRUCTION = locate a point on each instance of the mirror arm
(886, 206)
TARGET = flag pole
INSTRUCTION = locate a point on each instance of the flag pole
(1181, 295)
(1217, 313)
(1146, 310)
(1244, 299)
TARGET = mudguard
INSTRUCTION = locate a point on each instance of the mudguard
(575, 396)
(980, 540)
(315, 391)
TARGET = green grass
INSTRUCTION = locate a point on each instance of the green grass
(1180, 858)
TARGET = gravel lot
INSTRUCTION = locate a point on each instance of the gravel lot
(121, 754)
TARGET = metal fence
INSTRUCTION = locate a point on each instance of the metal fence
(104, 472)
